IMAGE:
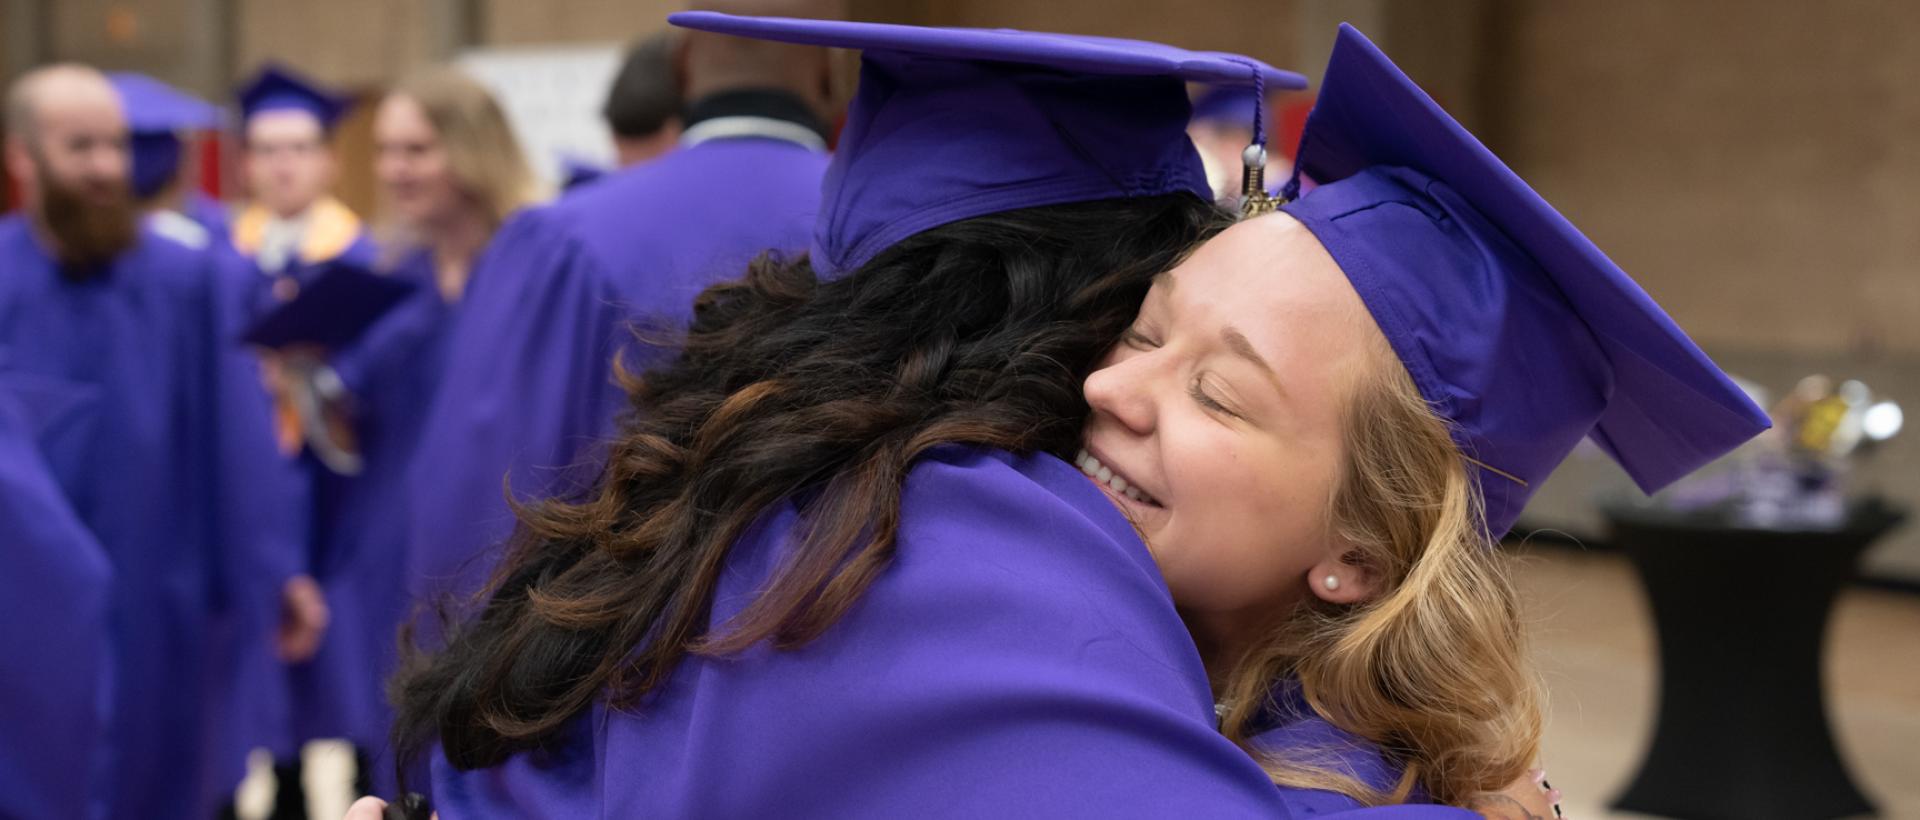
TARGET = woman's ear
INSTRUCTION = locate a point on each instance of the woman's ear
(1343, 578)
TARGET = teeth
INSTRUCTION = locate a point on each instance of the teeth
(1105, 475)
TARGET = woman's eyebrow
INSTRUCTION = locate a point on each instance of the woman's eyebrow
(1237, 342)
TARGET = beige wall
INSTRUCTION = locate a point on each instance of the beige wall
(117, 36)
(360, 44)
(514, 22)
(1261, 28)
(1753, 165)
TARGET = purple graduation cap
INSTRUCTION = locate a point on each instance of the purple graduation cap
(156, 114)
(1514, 326)
(340, 303)
(280, 89)
(952, 123)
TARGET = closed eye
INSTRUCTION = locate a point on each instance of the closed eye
(1137, 340)
(1199, 394)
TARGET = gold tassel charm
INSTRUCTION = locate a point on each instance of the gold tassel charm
(1254, 200)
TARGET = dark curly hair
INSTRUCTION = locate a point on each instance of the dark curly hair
(788, 385)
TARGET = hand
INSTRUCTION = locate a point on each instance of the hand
(372, 808)
(303, 619)
(367, 808)
(1529, 798)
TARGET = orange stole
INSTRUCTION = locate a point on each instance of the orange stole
(331, 229)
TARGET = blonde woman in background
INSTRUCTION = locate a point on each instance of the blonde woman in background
(450, 174)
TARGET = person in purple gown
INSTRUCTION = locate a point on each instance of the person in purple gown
(451, 173)
(1323, 418)
(178, 482)
(836, 565)
(292, 223)
(528, 393)
(54, 582)
(1290, 460)
(161, 121)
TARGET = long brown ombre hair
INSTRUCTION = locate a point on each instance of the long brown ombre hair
(789, 386)
(1434, 668)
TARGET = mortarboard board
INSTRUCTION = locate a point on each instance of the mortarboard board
(156, 114)
(1512, 323)
(339, 304)
(950, 123)
(279, 89)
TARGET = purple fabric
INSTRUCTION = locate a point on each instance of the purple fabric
(152, 106)
(1228, 104)
(210, 213)
(156, 115)
(277, 88)
(1512, 323)
(1020, 657)
(1306, 737)
(340, 302)
(1064, 119)
(359, 522)
(577, 172)
(182, 489)
(156, 161)
(528, 392)
(54, 580)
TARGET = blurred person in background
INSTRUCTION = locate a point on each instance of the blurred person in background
(529, 389)
(177, 480)
(642, 110)
(161, 121)
(450, 172)
(644, 105)
(292, 222)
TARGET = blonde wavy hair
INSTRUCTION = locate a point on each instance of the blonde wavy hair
(482, 152)
(1434, 668)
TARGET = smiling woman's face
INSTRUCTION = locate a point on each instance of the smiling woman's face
(1218, 419)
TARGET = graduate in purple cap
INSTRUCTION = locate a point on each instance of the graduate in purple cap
(177, 480)
(835, 565)
(161, 121)
(1323, 419)
(292, 221)
(358, 354)
(529, 394)
(54, 582)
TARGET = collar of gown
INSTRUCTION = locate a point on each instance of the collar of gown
(753, 113)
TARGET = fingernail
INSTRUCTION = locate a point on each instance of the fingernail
(1553, 795)
(1537, 775)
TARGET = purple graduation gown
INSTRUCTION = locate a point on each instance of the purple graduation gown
(54, 580)
(359, 522)
(182, 489)
(1021, 657)
(528, 389)
(1298, 728)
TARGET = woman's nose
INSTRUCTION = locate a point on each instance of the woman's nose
(1122, 390)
